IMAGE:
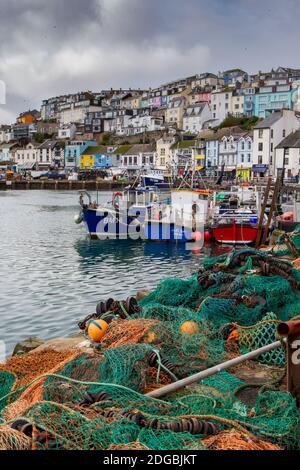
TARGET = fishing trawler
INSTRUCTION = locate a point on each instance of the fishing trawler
(235, 216)
(182, 220)
(120, 218)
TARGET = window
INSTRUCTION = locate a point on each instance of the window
(226, 105)
(249, 158)
(286, 161)
(283, 133)
(243, 145)
(249, 145)
(162, 151)
(260, 133)
(272, 147)
(260, 147)
(260, 160)
(272, 133)
(287, 151)
(242, 158)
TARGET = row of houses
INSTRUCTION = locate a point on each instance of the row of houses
(272, 144)
(188, 105)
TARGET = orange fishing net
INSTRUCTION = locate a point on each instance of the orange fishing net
(126, 331)
(30, 366)
(237, 440)
(131, 446)
(10, 439)
(34, 393)
(164, 379)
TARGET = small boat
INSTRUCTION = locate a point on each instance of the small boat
(235, 216)
(235, 227)
(154, 179)
(121, 218)
(182, 220)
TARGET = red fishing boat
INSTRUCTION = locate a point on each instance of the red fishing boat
(235, 228)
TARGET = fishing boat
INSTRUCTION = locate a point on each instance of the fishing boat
(182, 220)
(236, 227)
(235, 216)
(120, 218)
(155, 179)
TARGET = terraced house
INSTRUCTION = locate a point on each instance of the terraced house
(195, 117)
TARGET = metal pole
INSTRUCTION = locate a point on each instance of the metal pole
(173, 387)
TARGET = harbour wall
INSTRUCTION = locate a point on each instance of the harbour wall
(62, 185)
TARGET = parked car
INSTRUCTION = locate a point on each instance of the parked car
(56, 175)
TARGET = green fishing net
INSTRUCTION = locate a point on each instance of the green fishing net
(98, 401)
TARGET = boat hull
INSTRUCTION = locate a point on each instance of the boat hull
(167, 232)
(110, 225)
(233, 234)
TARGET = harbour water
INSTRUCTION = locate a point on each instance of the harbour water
(52, 274)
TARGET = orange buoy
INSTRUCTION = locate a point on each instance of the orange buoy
(97, 329)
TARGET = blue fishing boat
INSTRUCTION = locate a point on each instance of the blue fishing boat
(123, 217)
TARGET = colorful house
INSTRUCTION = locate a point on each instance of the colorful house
(74, 150)
(271, 99)
(95, 157)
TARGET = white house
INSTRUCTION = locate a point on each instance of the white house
(195, 116)
(287, 155)
(26, 157)
(50, 153)
(267, 136)
(144, 123)
(221, 104)
(228, 149)
(76, 112)
(237, 105)
(164, 152)
(212, 153)
(138, 157)
(67, 131)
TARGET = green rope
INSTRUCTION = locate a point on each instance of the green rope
(69, 379)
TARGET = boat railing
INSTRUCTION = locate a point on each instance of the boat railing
(82, 193)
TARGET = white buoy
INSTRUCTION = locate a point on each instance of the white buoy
(78, 219)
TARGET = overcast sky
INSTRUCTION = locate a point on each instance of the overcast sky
(51, 47)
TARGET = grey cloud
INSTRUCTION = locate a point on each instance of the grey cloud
(52, 47)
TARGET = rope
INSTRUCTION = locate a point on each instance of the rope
(99, 384)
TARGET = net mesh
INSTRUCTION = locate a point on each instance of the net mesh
(97, 399)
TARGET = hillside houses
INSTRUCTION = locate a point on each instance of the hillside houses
(173, 118)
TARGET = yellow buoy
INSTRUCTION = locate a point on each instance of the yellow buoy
(150, 337)
(189, 328)
(97, 329)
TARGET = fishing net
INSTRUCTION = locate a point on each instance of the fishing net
(262, 334)
(7, 381)
(97, 400)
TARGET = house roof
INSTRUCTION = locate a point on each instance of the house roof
(184, 144)
(291, 141)
(269, 121)
(225, 132)
(122, 149)
(195, 109)
(140, 148)
(48, 144)
(9, 145)
(94, 149)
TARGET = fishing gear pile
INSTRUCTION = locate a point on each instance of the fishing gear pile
(97, 400)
